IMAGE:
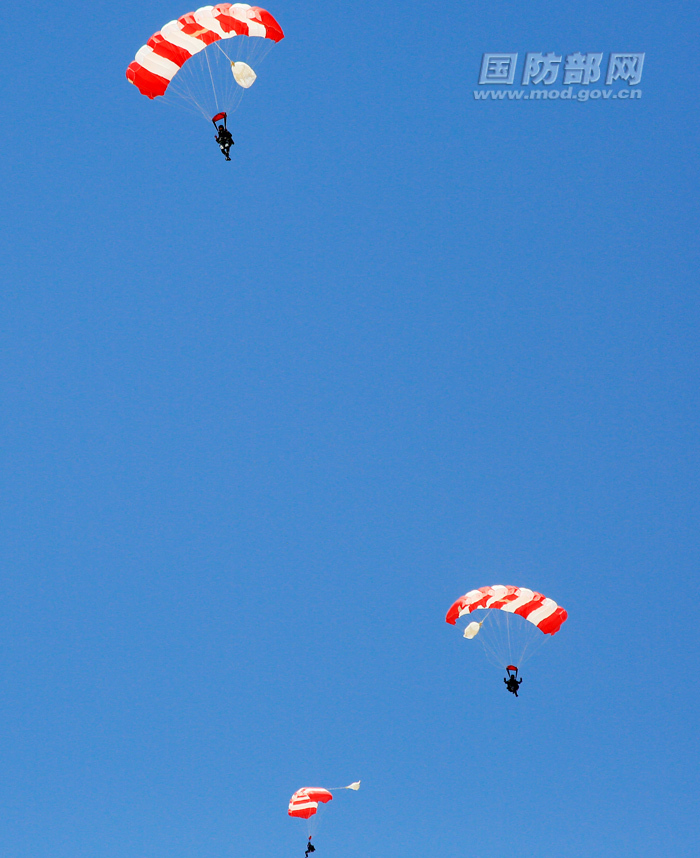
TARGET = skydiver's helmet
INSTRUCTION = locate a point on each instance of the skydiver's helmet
(221, 129)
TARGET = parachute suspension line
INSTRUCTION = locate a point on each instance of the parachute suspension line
(216, 98)
(508, 630)
(504, 639)
(223, 51)
(525, 649)
(209, 72)
(533, 644)
(187, 86)
(493, 644)
(230, 93)
(492, 649)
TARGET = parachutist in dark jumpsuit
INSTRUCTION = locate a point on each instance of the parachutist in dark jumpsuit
(512, 684)
(225, 141)
(309, 848)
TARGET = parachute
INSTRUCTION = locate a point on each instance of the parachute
(515, 623)
(186, 57)
(304, 804)
(534, 607)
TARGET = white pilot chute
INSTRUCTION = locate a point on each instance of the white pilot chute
(243, 74)
(472, 630)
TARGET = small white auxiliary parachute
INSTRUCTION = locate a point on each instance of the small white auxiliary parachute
(472, 630)
(243, 74)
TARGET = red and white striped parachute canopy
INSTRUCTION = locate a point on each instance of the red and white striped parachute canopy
(304, 802)
(534, 607)
(164, 54)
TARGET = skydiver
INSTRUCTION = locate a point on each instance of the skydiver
(225, 140)
(309, 848)
(512, 683)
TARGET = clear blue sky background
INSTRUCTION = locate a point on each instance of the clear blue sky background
(262, 422)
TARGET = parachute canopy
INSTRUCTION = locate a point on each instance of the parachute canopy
(534, 607)
(304, 802)
(167, 51)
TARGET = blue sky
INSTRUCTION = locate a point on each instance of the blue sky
(262, 422)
